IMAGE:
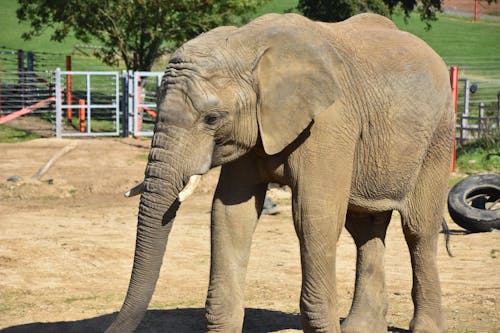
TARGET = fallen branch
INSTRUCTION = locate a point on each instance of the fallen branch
(54, 158)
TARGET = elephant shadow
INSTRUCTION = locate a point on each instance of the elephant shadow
(185, 320)
(175, 320)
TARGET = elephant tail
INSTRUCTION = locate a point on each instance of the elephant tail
(446, 232)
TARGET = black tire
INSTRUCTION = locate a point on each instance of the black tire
(469, 200)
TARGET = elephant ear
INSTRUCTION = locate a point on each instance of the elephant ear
(296, 77)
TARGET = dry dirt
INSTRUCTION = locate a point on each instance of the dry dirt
(67, 242)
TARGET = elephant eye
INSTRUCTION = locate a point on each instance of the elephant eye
(211, 119)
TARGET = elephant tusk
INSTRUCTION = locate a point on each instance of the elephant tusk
(189, 188)
(135, 190)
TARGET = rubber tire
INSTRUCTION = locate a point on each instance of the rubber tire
(472, 217)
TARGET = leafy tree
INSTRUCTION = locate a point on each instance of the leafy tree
(136, 31)
(338, 10)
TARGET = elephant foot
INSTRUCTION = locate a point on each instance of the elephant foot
(426, 324)
(363, 324)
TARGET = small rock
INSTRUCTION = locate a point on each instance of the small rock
(14, 179)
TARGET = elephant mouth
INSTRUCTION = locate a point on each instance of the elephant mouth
(186, 192)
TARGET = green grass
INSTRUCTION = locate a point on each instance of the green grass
(277, 6)
(10, 38)
(480, 155)
(12, 135)
(453, 37)
(450, 36)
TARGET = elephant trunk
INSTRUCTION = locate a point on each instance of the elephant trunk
(158, 206)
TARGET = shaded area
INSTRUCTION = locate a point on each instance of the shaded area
(175, 320)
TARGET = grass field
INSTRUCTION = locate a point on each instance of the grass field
(51, 51)
(452, 37)
(456, 39)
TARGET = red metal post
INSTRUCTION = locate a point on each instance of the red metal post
(476, 10)
(454, 94)
(81, 114)
(69, 97)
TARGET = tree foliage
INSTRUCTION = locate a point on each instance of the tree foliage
(136, 31)
(338, 10)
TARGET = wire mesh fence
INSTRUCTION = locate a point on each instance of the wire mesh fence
(19, 90)
(26, 78)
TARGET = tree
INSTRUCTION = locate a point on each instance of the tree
(135, 31)
(338, 10)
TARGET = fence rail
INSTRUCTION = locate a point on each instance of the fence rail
(115, 103)
(19, 90)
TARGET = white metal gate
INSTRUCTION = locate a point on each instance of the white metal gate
(145, 89)
(91, 103)
(87, 103)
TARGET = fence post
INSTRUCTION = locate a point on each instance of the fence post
(81, 115)
(139, 108)
(131, 101)
(481, 126)
(69, 93)
(498, 110)
(454, 94)
(58, 103)
(476, 10)
(21, 76)
(31, 61)
(1, 115)
(125, 83)
(465, 122)
(20, 64)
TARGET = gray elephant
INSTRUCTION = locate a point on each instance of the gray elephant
(358, 111)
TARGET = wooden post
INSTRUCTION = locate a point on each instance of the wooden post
(454, 94)
(81, 114)
(69, 87)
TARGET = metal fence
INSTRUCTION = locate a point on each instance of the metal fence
(124, 103)
(87, 103)
(479, 96)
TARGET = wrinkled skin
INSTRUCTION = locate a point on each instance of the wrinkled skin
(357, 111)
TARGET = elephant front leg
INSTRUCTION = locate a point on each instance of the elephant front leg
(235, 211)
(318, 222)
(369, 304)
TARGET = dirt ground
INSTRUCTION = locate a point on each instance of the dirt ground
(67, 242)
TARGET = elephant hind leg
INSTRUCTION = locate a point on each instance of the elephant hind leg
(421, 221)
(369, 305)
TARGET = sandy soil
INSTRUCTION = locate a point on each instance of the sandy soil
(67, 241)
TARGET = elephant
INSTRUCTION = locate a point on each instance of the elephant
(358, 111)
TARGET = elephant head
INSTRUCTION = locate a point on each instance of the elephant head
(223, 94)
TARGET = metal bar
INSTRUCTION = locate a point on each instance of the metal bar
(125, 128)
(136, 106)
(89, 102)
(58, 104)
(117, 103)
(92, 134)
(87, 73)
(130, 103)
